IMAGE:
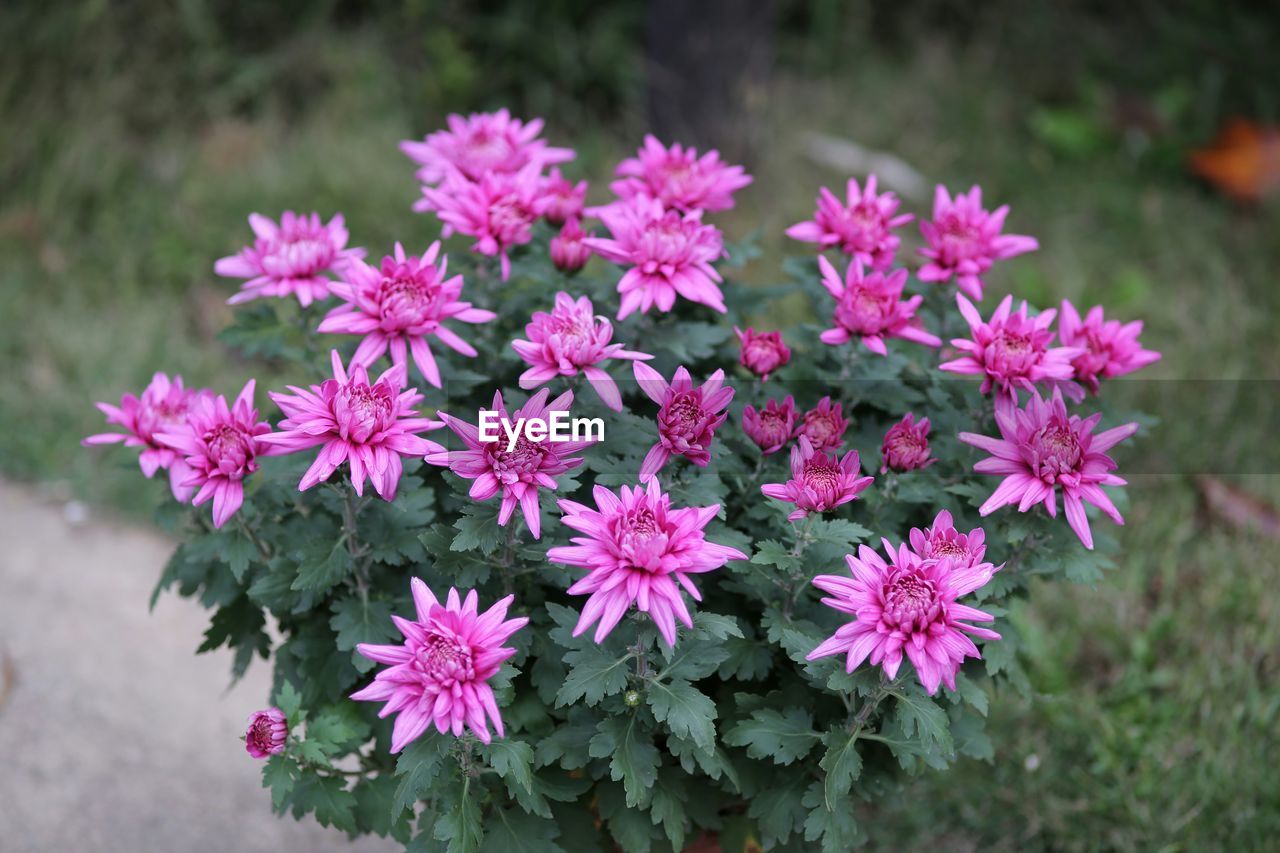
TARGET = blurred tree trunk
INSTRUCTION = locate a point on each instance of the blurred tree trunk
(708, 65)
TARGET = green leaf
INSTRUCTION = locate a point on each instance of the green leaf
(594, 673)
(837, 828)
(361, 621)
(781, 736)
(289, 701)
(460, 825)
(634, 758)
(778, 807)
(328, 797)
(972, 693)
(323, 568)
(746, 659)
(843, 765)
(668, 807)
(770, 552)
(685, 709)
(279, 774)
(514, 831)
(237, 551)
(419, 765)
(920, 716)
(478, 529)
(512, 760)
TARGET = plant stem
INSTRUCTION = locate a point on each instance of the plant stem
(351, 506)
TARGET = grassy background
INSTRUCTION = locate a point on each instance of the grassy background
(134, 148)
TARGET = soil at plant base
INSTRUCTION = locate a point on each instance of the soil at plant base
(114, 735)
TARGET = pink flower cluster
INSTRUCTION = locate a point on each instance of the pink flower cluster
(295, 257)
(772, 427)
(687, 417)
(819, 483)
(870, 307)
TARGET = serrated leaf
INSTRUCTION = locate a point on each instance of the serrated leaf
(593, 674)
(289, 701)
(770, 552)
(279, 773)
(780, 736)
(514, 831)
(686, 710)
(323, 570)
(478, 530)
(634, 759)
(919, 716)
(460, 825)
(512, 760)
(328, 798)
(419, 765)
(778, 807)
(357, 620)
(843, 766)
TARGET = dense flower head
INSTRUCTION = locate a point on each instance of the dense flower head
(1042, 449)
(569, 340)
(569, 250)
(367, 424)
(1111, 348)
(869, 306)
(907, 604)
(439, 676)
(679, 178)
(861, 225)
(482, 144)
(771, 427)
(292, 258)
(906, 445)
(163, 405)
(669, 253)
(819, 482)
(824, 425)
(220, 444)
(965, 240)
(941, 541)
(267, 732)
(498, 210)
(687, 417)
(1011, 352)
(564, 198)
(517, 472)
(638, 550)
(762, 352)
(400, 304)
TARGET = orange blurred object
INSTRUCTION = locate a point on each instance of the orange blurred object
(1243, 163)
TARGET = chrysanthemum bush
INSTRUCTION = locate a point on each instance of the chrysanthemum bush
(774, 588)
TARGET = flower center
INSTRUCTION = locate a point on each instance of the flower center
(958, 240)
(1056, 451)
(685, 412)
(823, 476)
(863, 312)
(362, 410)
(445, 659)
(522, 461)
(910, 600)
(1013, 351)
(261, 733)
(408, 298)
(948, 548)
(228, 448)
(819, 429)
(509, 217)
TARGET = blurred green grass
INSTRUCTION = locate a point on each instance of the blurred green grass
(1155, 695)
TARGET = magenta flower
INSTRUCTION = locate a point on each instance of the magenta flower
(564, 198)
(481, 144)
(965, 240)
(268, 730)
(1012, 351)
(440, 674)
(399, 305)
(861, 226)
(906, 445)
(824, 425)
(941, 541)
(1043, 449)
(679, 178)
(870, 307)
(908, 604)
(637, 548)
(687, 417)
(368, 425)
(221, 445)
(498, 210)
(163, 405)
(669, 254)
(569, 250)
(1110, 348)
(294, 257)
(517, 471)
(762, 352)
(819, 482)
(772, 426)
(569, 340)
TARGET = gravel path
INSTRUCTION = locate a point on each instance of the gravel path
(114, 735)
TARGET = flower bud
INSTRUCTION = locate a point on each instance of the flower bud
(267, 732)
(568, 252)
(762, 352)
(906, 445)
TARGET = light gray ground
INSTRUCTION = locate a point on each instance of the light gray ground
(114, 735)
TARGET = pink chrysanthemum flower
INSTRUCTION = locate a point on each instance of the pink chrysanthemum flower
(481, 144)
(569, 340)
(399, 305)
(941, 541)
(824, 425)
(569, 251)
(679, 178)
(687, 417)
(519, 472)
(669, 253)
(906, 445)
(163, 405)
(498, 210)
(819, 482)
(965, 240)
(440, 674)
(1012, 351)
(268, 730)
(221, 445)
(1043, 449)
(870, 306)
(862, 225)
(771, 427)
(564, 198)
(762, 352)
(637, 548)
(1111, 348)
(294, 257)
(908, 604)
(368, 425)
